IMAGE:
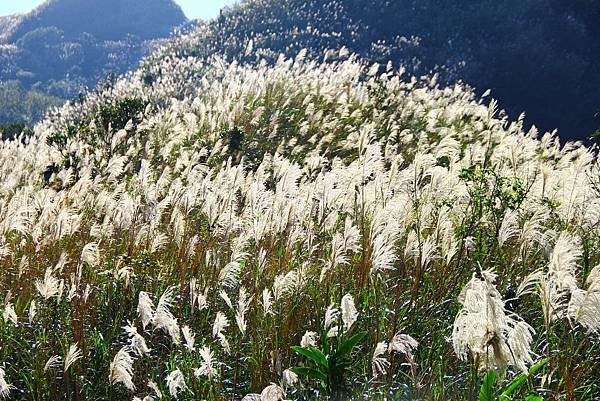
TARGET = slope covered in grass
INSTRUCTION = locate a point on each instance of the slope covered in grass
(537, 56)
(294, 228)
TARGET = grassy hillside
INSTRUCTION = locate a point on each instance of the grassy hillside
(539, 57)
(306, 228)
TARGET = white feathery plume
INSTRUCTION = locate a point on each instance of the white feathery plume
(262, 259)
(154, 387)
(207, 367)
(267, 302)
(197, 298)
(349, 312)
(220, 324)
(509, 227)
(341, 244)
(229, 274)
(50, 286)
(23, 263)
(189, 338)
(163, 318)
(563, 261)
(116, 167)
(332, 314)
(9, 314)
(272, 392)
(290, 379)
(226, 298)
(483, 329)
(176, 382)
(121, 369)
(556, 284)
(159, 242)
(137, 342)
(383, 255)
(403, 343)
(145, 308)
(429, 251)
(284, 284)
(73, 355)
(32, 311)
(379, 362)
(54, 362)
(5, 388)
(520, 337)
(91, 254)
(194, 290)
(242, 307)
(584, 306)
(309, 339)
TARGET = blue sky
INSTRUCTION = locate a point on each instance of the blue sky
(192, 8)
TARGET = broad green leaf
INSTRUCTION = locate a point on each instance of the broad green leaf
(315, 374)
(349, 344)
(533, 398)
(518, 381)
(314, 354)
(488, 386)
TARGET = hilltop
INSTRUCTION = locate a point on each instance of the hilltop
(556, 44)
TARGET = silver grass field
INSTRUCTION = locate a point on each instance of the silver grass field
(303, 230)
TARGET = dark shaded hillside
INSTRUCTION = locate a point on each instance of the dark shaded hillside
(540, 57)
(65, 46)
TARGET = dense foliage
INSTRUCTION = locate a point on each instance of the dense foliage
(19, 105)
(540, 57)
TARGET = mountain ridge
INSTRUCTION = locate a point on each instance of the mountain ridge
(557, 45)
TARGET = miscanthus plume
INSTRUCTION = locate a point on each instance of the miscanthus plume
(121, 368)
(486, 332)
(5, 388)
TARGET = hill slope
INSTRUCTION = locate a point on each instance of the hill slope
(178, 232)
(540, 57)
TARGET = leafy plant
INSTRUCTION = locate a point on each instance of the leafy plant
(332, 364)
(489, 390)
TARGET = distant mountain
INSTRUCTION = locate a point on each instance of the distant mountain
(105, 20)
(63, 46)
